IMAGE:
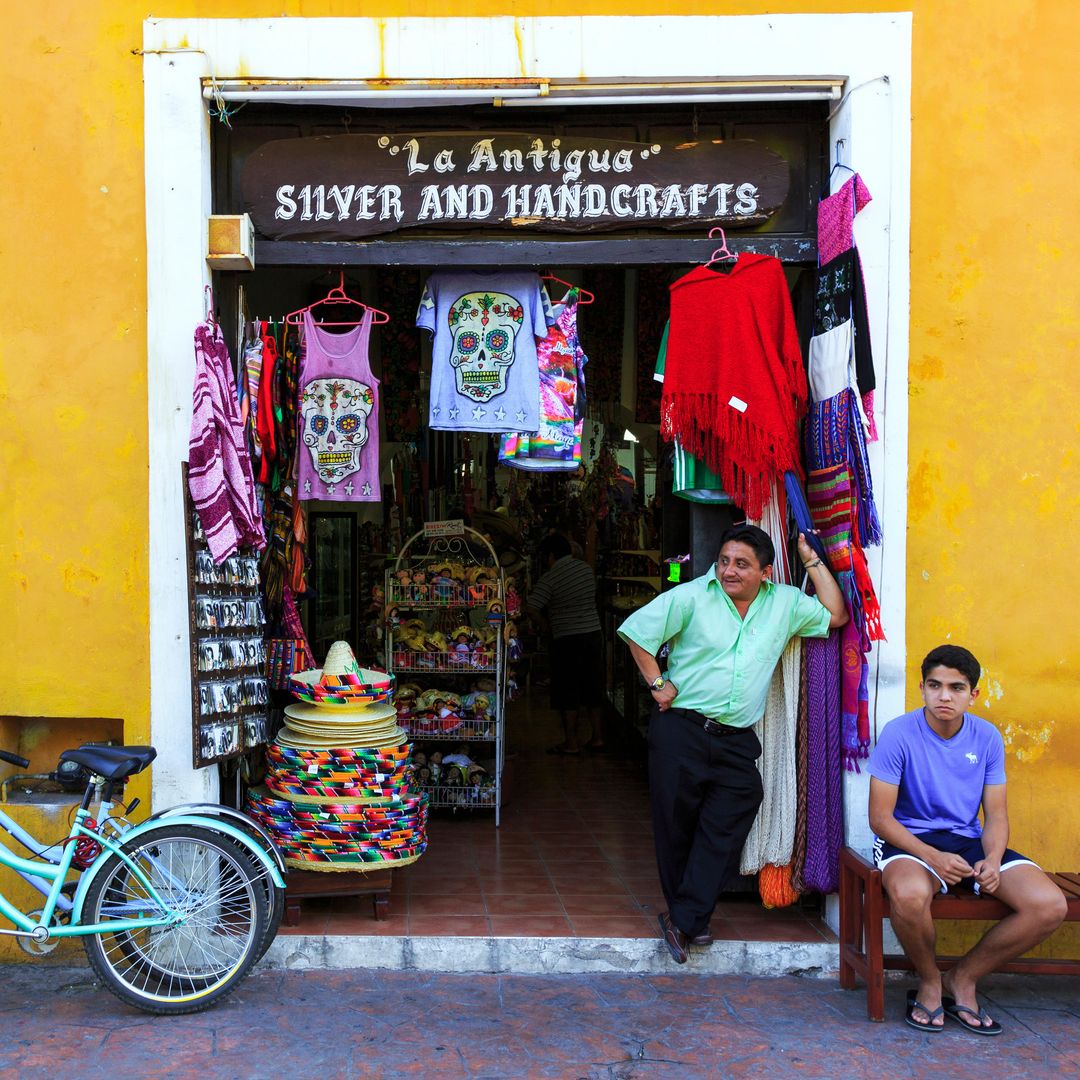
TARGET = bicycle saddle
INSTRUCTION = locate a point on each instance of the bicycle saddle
(111, 762)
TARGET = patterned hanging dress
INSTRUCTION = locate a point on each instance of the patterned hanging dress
(556, 446)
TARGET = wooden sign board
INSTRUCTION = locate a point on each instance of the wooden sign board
(347, 187)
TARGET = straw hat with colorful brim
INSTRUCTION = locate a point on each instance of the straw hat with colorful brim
(341, 677)
(360, 687)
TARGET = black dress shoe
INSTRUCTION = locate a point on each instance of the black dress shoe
(704, 938)
(673, 938)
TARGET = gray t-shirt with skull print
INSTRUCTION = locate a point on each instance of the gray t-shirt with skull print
(484, 371)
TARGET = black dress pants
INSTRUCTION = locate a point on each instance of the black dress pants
(705, 792)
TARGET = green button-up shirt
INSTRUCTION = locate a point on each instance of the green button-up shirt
(721, 664)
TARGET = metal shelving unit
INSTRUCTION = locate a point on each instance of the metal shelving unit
(416, 591)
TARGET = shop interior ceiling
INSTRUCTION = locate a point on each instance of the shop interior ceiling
(797, 131)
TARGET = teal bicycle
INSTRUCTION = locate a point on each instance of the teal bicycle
(173, 912)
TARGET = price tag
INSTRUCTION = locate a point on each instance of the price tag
(450, 527)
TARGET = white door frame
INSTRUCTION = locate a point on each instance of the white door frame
(872, 52)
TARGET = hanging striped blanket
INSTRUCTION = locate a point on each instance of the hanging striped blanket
(219, 469)
(824, 776)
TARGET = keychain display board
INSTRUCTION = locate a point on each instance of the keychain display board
(445, 644)
(229, 690)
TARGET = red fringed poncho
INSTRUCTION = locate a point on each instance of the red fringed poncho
(734, 384)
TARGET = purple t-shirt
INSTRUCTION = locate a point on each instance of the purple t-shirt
(941, 780)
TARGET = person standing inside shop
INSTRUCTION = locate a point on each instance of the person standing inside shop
(564, 602)
(725, 631)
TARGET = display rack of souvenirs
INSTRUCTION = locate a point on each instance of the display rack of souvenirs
(447, 642)
(340, 792)
(230, 692)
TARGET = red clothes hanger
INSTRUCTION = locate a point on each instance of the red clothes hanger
(584, 296)
(337, 296)
(722, 252)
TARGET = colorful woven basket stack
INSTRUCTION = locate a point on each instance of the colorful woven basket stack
(339, 784)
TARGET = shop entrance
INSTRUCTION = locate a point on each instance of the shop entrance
(573, 851)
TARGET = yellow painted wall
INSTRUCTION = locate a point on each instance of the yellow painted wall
(993, 394)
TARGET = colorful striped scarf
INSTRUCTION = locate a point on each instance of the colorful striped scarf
(854, 704)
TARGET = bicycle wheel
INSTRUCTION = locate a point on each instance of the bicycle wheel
(214, 887)
(275, 894)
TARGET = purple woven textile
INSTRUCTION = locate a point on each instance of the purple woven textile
(824, 773)
(219, 469)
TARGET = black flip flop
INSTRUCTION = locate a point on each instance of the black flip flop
(562, 751)
(953, 1011)
(913, 1003)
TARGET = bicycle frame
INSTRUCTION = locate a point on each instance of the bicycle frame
(49, 877)
(52, 854)
(135, 832)
(120, 826)
(56, 873)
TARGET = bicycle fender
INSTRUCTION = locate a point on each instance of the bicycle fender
(213, 811)
(150, 826)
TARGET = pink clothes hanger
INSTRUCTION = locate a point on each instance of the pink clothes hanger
(722, 252)
(584, 296)
(337, 296)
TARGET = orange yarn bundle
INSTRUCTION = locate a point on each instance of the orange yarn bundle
(774, 885)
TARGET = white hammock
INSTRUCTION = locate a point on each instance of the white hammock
(773, 833)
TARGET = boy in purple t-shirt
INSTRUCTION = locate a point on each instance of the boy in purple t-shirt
(930, 772)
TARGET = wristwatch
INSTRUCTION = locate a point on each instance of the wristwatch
(658, 683)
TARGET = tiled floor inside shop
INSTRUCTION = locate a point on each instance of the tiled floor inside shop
(573, 857)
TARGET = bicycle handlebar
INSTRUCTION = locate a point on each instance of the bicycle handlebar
(14, 759)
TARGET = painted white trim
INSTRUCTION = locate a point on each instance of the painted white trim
(177, 134)
(873, 53)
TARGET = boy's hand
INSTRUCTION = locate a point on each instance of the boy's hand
(988, 875)
(950, 868)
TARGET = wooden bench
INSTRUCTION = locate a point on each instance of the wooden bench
(864, 905)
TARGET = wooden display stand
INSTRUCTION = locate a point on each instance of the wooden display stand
(304, 884)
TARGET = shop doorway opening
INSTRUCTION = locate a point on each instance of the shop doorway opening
(573, 854)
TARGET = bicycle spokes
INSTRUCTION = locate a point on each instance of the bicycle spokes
(209, 892)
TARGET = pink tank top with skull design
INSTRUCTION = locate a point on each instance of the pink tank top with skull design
(338, 419)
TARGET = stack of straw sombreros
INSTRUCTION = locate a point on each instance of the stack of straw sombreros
(338, 792)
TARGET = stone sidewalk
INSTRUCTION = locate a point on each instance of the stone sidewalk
(330, 1024)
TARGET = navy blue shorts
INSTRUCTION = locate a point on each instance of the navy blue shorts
(968, 848)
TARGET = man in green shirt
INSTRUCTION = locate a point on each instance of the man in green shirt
(726, 631)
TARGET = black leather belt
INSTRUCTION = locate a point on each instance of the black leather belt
(713, 727)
